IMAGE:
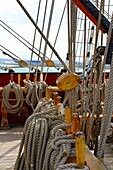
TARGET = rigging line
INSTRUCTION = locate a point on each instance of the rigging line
(43, 27)
(108, 8)
(84, 51)
(34, 38)
(9, 52)
(80, 26)
(88, 45)
(23, 43)
(56, 37)
(94, 91)
(98, 26)
(105, 12)
(19, 36)
(55, 52)
(82, 36)
(69, 34)
(48, 31)
(70, 40)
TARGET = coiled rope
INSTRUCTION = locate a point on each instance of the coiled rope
(13, 108)
(70, 166)
(44, 147)
(34, 91)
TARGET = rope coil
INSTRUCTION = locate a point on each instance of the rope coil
(13, 108)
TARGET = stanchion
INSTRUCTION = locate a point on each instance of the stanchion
(55, 94)
(75, 124)
(59, 99)
(19, 79)
(68, 115)
(80, 149)
(27, 77)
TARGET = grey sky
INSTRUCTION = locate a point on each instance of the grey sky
(12, 14)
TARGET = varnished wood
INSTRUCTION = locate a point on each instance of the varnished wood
(48, 93)
(92, 162)
(108, 163)
(80, 149)
(19, 79)
(68, 116)
(55, 94)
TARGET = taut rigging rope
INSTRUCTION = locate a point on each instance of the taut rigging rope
(41, 36)
(21, 38)
(56, 38)
(34, 38)
(31, 19)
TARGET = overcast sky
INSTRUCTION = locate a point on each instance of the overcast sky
(12, 14)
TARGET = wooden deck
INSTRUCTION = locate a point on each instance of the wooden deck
(9, 145)
(108, 157)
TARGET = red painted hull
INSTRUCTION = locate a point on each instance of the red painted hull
(20, 118)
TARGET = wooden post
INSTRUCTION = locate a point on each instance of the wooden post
(75, 124)
(68, 115)
(4, 121)
(11, 77)
(48, 93)
(55, 94)
(27, 77)
(19, 79)
(59, 108)
(35, 78)
(80, 149)
(59, 99)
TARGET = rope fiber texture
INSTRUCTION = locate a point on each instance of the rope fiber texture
(34, 91)
(17, 90)
(44, 144)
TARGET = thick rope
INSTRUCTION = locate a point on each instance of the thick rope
(13, 108)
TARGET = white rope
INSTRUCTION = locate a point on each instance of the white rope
(13, 108)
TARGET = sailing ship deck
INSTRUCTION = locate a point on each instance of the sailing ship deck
(9, 146)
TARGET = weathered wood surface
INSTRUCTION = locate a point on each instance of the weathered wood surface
(91, 161)
(108, 163)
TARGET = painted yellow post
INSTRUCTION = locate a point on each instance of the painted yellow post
(48, 93)
(75, 124)
(68, 115)
(27, 77)
(19, 79)
(80, 122)
(80, 149)
(55, 94)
